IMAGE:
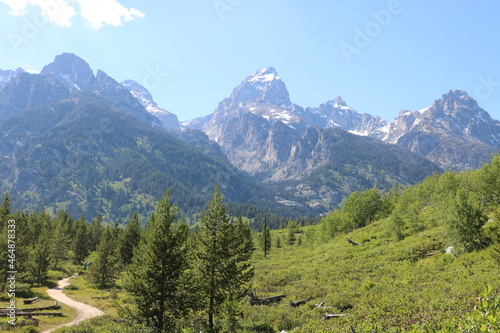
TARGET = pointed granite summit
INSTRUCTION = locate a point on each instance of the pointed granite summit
(72, 70)
(263, 86)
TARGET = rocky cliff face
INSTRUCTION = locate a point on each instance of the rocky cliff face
(70, 75)
(454, 132)
(169, 120)
(8, 75)
(307, 153)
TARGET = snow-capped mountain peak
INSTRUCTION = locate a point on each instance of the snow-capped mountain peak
(264, 75)
(263, 86)
(338, 102)
(140, 93)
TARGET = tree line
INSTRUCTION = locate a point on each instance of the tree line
(460, 202)
(172, 273)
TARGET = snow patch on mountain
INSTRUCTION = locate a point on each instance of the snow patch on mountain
(168, 119)
(7, 75)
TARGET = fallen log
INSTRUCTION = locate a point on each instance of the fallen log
(253, 300)
(100, 297)
(31, 300)
(352, 242)
(51, 307)
(333, 315)
(432, 253)
(58, 314)
(299, 303)
(272, 299)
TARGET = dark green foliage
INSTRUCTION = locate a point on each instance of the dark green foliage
(157, 277)
(95, 232)
(221, 260)
(60, 239)
(93, 158)
(5, 210)
(40, 259)
(266, 240)
(81, 246)
(105, 261)
(129, 239)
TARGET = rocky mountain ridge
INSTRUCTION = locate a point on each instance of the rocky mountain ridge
(168, 119)
(309, 159)
(454, 132)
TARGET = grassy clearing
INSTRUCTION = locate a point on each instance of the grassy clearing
(383, 285)
(82, 291)
(45, 322)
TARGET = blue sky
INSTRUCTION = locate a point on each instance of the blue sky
(380, 56)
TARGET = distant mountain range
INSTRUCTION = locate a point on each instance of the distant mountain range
(454, 132)
(88, 144)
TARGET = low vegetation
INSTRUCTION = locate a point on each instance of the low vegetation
(421, 259)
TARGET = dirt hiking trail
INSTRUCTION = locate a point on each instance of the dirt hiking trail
(83, 311)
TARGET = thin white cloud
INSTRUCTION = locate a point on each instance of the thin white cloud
(96, 12)
(56, 11)
(100, 12)
(17, 7)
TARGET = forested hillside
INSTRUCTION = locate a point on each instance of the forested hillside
(412, 260)
(87, 157)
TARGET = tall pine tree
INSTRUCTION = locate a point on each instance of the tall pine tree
(265, 238)
(81, 242)
(130, 239)
(221, 259)
(157, 277)
(40, 259)
(60, 239)
(104, 268)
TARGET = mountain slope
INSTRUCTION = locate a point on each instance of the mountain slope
(454, 132)
(7, 75)
(168, 119)
(306, 155)
(71, 75)
(328, 164)
(89, 157)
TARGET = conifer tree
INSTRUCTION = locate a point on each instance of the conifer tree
(244, 234)
(157, 277)
(130, 239)
(59, 240)
(104, 268)
(266, 239)
(5, 210)
(81, 241)
(40, 259)
(221, 260)
(95, 232)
